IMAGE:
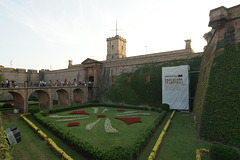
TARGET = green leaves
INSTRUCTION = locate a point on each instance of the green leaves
(145, 86)
(220, 106)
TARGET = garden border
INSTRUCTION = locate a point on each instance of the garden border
(198, 153)
(159, 140)
(45, 138)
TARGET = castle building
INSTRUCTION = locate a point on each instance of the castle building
(101, 73)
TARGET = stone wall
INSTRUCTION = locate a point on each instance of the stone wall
(227, 23)
(107, 71)
(113, 68)
(19, 75)
(65, 74)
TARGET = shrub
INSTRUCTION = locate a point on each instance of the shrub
(34, 109)
(164, 107)
(44, 112)
(5, 152)
(118, 153)
(95, 101)
(223, 152)
(55, 101)
(7, 105)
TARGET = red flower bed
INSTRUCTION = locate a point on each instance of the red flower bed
(130, 120)
(72, 124)
(101, 116)
(79, 112)
(9, 102)
(120, 110)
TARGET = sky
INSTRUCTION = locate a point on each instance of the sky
(45, 34)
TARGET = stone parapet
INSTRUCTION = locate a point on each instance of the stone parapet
(32, 71)
(7, 69)
(152, 58)
(20, 70)
(117, 37)
(221, 15)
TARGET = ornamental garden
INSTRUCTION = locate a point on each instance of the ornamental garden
(104, 131)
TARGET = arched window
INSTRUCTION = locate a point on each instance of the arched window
(148, 78)
(91, 78)
(129, 79)
(113, 79)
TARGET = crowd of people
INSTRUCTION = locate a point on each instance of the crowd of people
(63, 83)
(8, 84)
(13, 84)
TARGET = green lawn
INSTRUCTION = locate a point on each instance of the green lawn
(147, 150)
(127, 134)
(71, 152)
(31, 147)
(180, 142)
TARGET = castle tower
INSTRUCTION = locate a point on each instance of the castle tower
(116, 47)
(188, 44)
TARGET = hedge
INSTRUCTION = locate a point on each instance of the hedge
(223, 152)
(5, 151)
(93, 152)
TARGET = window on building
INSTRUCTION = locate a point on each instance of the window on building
(148, 78)
(112, 46)
(129, 79)
(113, 79)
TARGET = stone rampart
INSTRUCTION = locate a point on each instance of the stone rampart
(74, 74)
(227, 23)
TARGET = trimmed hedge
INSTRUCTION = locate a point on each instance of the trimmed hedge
(34, 109)
(223, 152)
(165, 107)
(5, 152)
(116, 153)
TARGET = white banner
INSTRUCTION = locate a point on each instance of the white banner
(175, 87)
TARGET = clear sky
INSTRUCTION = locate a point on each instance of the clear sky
(45, 34)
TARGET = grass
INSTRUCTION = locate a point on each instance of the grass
(31, 147)
(147, 150)
(71, 152)
(180, 142)
(126, 135)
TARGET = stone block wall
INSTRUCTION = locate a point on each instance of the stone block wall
(65, 74)
(227, 23)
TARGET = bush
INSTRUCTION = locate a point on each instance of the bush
(55, 101)
(165, 107)
(223, 152)
(5, 152)
(118, 153)
(95, 101)
(34, 109)
(7, 105)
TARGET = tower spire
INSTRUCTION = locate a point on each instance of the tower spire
(116, 30)
(116, 26)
